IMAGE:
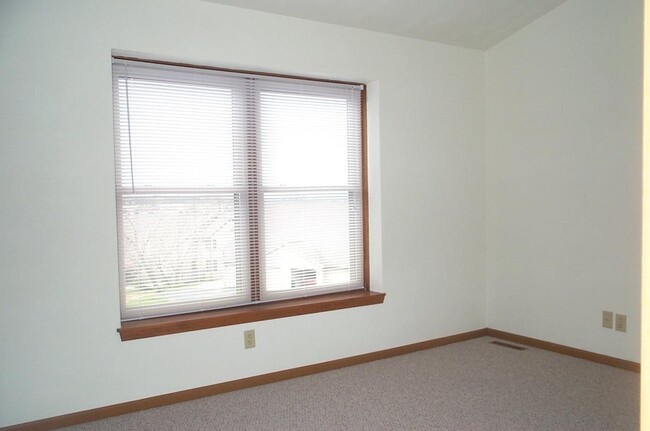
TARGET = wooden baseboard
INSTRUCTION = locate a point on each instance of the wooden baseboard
(205, 391)
(565, 350)
(191, 394)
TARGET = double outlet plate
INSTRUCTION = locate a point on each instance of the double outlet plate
(620, 323)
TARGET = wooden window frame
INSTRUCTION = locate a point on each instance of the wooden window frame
(167, 325)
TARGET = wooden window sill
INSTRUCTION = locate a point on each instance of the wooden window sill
(155, 327)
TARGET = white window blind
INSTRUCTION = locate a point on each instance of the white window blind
(234, 188)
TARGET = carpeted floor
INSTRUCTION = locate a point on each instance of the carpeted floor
(473, 385)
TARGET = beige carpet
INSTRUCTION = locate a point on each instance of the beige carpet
(473, 385)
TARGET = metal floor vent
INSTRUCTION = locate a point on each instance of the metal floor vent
(510, 346)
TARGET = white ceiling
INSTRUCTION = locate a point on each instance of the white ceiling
(477, 24)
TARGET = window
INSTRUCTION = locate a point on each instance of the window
(235, 188)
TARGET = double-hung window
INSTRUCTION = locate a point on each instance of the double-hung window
(235, 188)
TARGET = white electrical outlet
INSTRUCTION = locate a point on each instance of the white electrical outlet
(608, 319)
(249, 339)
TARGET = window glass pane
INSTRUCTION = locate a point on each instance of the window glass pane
(304, 140)
(179, 249)
(175, 134)
(308, 241)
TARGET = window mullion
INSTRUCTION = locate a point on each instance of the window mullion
(254, 176)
